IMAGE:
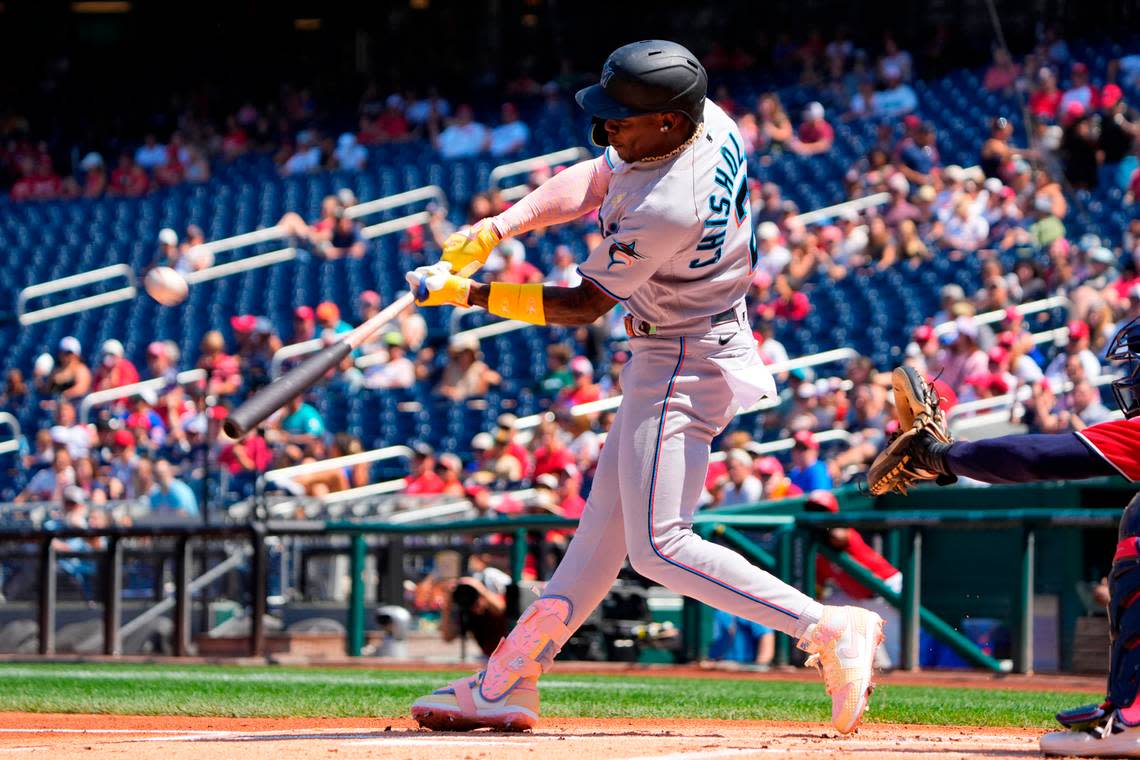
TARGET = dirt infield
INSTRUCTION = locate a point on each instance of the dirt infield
(177, 738)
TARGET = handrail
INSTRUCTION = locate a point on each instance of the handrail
(290, 351)
(360, 492)
(136, 389)
(12, 445)
(388, 202)
(985, 318)
(77, 305)
(529, 164)
(775, 368)
(1023, 393)
(772, 447)
(349, 460)
(829, 212)
(277, 232)
(238, 266)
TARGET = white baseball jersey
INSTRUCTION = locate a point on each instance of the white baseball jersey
(679, 244)
(678, 250)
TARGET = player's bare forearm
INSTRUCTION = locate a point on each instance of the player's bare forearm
(580, 305)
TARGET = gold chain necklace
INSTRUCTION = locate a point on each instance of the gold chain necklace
(700, 130)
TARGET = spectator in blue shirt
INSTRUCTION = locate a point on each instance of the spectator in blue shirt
(808, 472)
(511, 136)
(170, 495)
(301, 425)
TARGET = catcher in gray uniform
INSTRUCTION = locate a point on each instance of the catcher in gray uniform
(678, 253)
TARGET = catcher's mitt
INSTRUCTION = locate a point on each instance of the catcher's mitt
(916, 453)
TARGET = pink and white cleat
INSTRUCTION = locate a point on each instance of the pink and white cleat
(843, 645)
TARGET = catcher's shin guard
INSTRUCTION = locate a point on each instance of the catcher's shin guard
(1112, 729)
(1124, 611)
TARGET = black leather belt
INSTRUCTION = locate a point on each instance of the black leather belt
(639, 327)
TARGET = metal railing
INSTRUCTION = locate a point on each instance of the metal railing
(729, 525)
(77, 305)
(217, 271)
(786, 444)
(830, 212)
(284, 475)
(989, 317)
(12, 445)
(775, 368)
(514, 168)
(157, 384)
(1023, 393)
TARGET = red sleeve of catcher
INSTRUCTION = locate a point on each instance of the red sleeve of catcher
(1118, 442)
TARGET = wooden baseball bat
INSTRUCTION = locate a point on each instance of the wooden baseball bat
(255, 409)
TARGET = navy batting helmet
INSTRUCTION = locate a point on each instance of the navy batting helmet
(1125, 348)
(651, 76)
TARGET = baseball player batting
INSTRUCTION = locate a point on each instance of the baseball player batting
(924, 450)
(678, 253)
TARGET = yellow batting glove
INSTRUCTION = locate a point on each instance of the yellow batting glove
(475, 245)
(437, 286)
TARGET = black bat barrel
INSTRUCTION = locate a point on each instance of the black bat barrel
(278, 393)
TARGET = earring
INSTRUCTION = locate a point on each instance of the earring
(665, 128)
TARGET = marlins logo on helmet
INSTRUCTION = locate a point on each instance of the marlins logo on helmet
(622, 255)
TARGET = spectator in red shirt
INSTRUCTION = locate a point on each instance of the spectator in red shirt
(450, 470)
(1045, 98)
(235, 142)
(248, 455)
(815, 135)
(128, 178)
(115, 370)
(423, 481)
(22, 189)
(583, 389)
(790, 304)
(846, 589)
(38, 182)
(224, 370)
(516, 269)
(392, 125)
(551, 454)
(1002, 74)
(304, 324)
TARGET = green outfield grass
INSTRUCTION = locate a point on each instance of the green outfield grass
(313, 692)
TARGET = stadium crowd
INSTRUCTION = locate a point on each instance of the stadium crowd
(157, 447)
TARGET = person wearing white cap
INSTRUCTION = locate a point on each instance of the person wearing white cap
(466, 374)
(962, 358)
(815, 135)
(773, 255)
(115, 370)
(349, 155)
(71, 378)
(94, 175)
(169, 253)
(582, 389)
(741, 486)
